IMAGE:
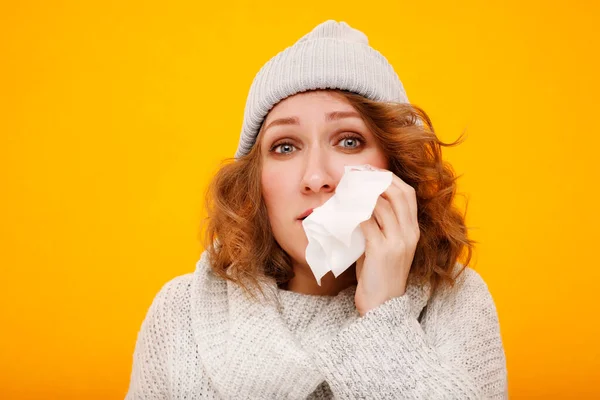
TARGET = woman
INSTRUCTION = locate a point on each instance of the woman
(407, 320)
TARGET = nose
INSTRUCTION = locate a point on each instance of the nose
(318, 175)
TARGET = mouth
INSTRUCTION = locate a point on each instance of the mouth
(305, 214)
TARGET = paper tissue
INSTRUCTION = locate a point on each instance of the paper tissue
(335, 239)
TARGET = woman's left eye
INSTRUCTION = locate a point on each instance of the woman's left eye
(350, 142)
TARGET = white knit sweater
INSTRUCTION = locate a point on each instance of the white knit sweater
(203, 338)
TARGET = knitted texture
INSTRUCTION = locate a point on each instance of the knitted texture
(204, 338)
(332, 56)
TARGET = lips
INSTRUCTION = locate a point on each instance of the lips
(305, 214)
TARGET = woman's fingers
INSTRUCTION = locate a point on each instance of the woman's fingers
(386, 217)
(371, 230)
(402, 200)
(400, 188)
(403, 189)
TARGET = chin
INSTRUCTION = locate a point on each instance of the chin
(297, 256)
(294, 243)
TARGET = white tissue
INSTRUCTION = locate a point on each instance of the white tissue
(335, 239)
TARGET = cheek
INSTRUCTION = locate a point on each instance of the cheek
(380, 161)
(377, 159)
(275, 188)
(373, 156)
(280, 192)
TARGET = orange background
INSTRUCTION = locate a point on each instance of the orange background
(115, 114)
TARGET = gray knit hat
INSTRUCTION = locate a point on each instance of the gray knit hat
(332, 56)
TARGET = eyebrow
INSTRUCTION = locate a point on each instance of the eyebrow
(332, 116)
(337, 115)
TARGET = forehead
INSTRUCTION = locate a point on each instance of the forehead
(319, 101)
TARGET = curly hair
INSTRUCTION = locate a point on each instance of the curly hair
(238, 236)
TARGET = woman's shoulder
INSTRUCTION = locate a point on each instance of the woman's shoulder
(469, 291)
(172, 301)
(176, 295)
(466, 279)
(177, 287)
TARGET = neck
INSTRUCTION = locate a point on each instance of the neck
(304, 281)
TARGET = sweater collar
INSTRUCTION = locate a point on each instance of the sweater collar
(245, 346)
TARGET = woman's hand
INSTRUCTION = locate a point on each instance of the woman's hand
(391, 236)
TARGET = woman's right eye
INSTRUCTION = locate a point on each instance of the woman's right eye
(283, 148)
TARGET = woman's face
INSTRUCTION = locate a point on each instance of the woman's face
(306, 141)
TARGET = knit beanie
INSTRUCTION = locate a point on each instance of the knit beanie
(332, 56)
